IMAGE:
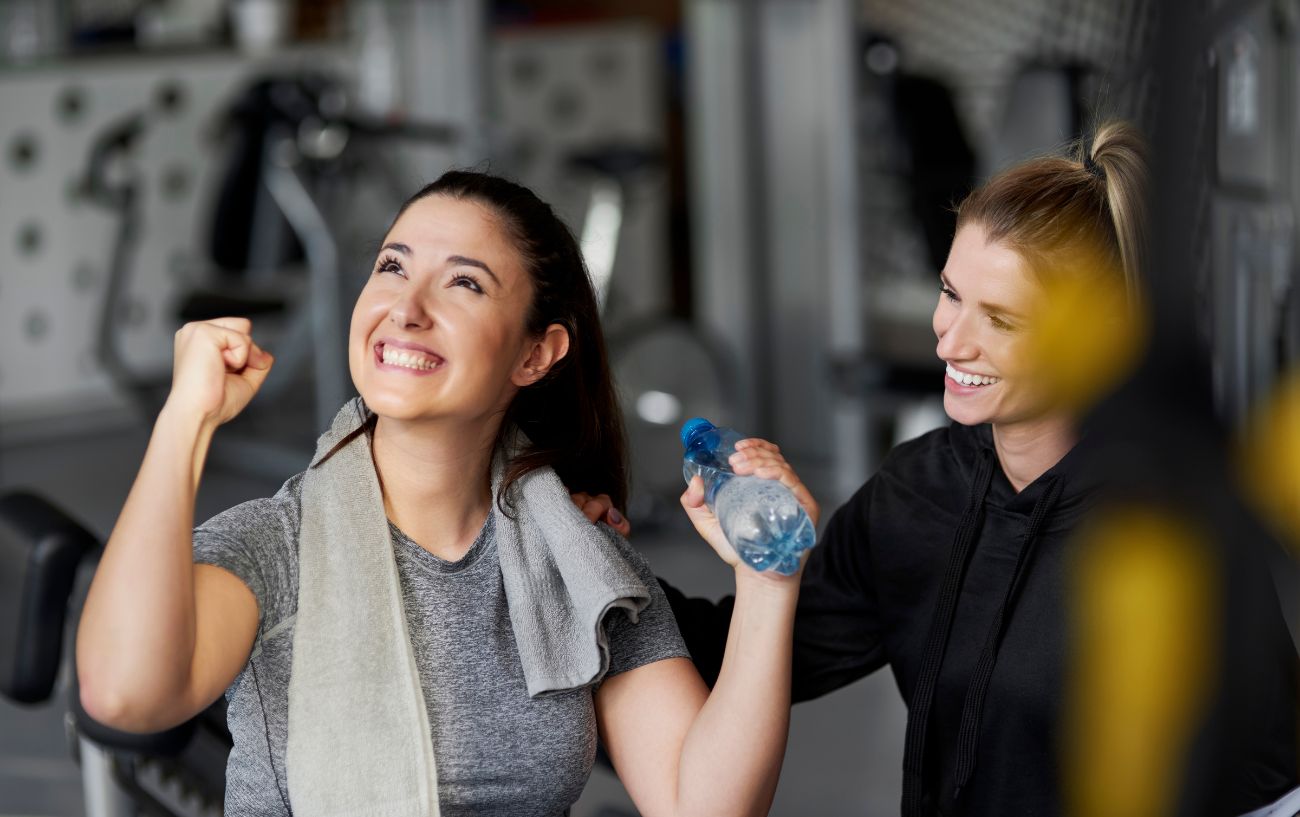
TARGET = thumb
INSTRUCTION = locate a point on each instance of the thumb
(706, 525)
(259, 366)
(693, 498)
(259, 358)
(697, 511)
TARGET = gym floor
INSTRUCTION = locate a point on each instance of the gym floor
(845, 751)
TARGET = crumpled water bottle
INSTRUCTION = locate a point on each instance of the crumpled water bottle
(760, 517)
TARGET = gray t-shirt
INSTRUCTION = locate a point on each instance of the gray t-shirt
(499, 752)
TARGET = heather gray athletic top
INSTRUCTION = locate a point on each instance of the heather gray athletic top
(499, 752)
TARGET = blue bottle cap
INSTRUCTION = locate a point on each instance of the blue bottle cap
(691, 426)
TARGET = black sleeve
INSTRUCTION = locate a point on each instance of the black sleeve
(837, 631)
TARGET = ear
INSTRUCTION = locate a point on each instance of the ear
(542, 354)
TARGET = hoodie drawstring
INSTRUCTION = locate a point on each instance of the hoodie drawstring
(977, 691)
(937, 642)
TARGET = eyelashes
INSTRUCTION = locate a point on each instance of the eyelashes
(467, 281)
(996, 321)
(391, 264)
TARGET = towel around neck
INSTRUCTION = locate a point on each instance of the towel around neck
(359, 737)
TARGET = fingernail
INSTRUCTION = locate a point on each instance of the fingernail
(615, 516)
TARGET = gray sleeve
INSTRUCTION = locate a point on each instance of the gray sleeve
(654, 635)
(258, 542)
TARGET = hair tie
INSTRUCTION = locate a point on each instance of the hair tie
(1094, 168)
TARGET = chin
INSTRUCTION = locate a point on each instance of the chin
(386, 404)
(961, 411)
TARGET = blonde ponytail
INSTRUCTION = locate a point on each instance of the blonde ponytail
(1082, 211)
(1119, 155)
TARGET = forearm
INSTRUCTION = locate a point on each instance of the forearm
(135, 643)
(732, 755)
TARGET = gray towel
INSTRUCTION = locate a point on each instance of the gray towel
(562, 575)
(359, 737)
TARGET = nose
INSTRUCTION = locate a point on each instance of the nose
(409, 311)
(952, 326)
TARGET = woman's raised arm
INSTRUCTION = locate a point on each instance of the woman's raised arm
(160, 638)
(677, 748)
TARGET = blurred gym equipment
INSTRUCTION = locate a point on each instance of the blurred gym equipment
(666, 369)
(291, 143)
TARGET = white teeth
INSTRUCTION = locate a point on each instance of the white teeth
(968, 379)
(408, 360)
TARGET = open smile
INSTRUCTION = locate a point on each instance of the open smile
(967, 382)
(407, 357)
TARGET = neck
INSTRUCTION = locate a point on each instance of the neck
(1027, 449)
(436, 481)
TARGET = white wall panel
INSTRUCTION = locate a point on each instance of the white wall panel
(51, 288)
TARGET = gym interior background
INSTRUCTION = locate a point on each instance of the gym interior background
(762, 191)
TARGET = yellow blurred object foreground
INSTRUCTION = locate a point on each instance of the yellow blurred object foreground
(1086, 337)
(1146, 617)
(1271, 462)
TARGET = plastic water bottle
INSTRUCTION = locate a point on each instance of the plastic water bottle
(760, 517)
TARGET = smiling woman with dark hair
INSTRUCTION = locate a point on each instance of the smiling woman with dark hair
(422, 622)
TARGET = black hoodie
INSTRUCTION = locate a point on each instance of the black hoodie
(984, 704)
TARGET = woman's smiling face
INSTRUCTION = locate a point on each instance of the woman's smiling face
(438, 331)
(982, 322)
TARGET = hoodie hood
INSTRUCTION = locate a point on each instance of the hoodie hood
(1078, 482)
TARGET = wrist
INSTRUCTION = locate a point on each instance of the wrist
(186, 426)
(766, 582)
(178, 416)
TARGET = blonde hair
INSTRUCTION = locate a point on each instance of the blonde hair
(1063, 212)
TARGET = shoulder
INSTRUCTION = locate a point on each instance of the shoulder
(636, 561)
(649, 636)
(624, 548)
(916, 475)
(936, 460)
(933, 446)
(258, 542)
(275, 517)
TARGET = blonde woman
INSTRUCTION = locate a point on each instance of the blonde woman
(952, 565)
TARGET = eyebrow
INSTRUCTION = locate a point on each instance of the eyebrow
(452, 260)
(462, 261)
(1001, 310)
(985, 305)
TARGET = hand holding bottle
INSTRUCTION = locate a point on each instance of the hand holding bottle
(734, 507)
